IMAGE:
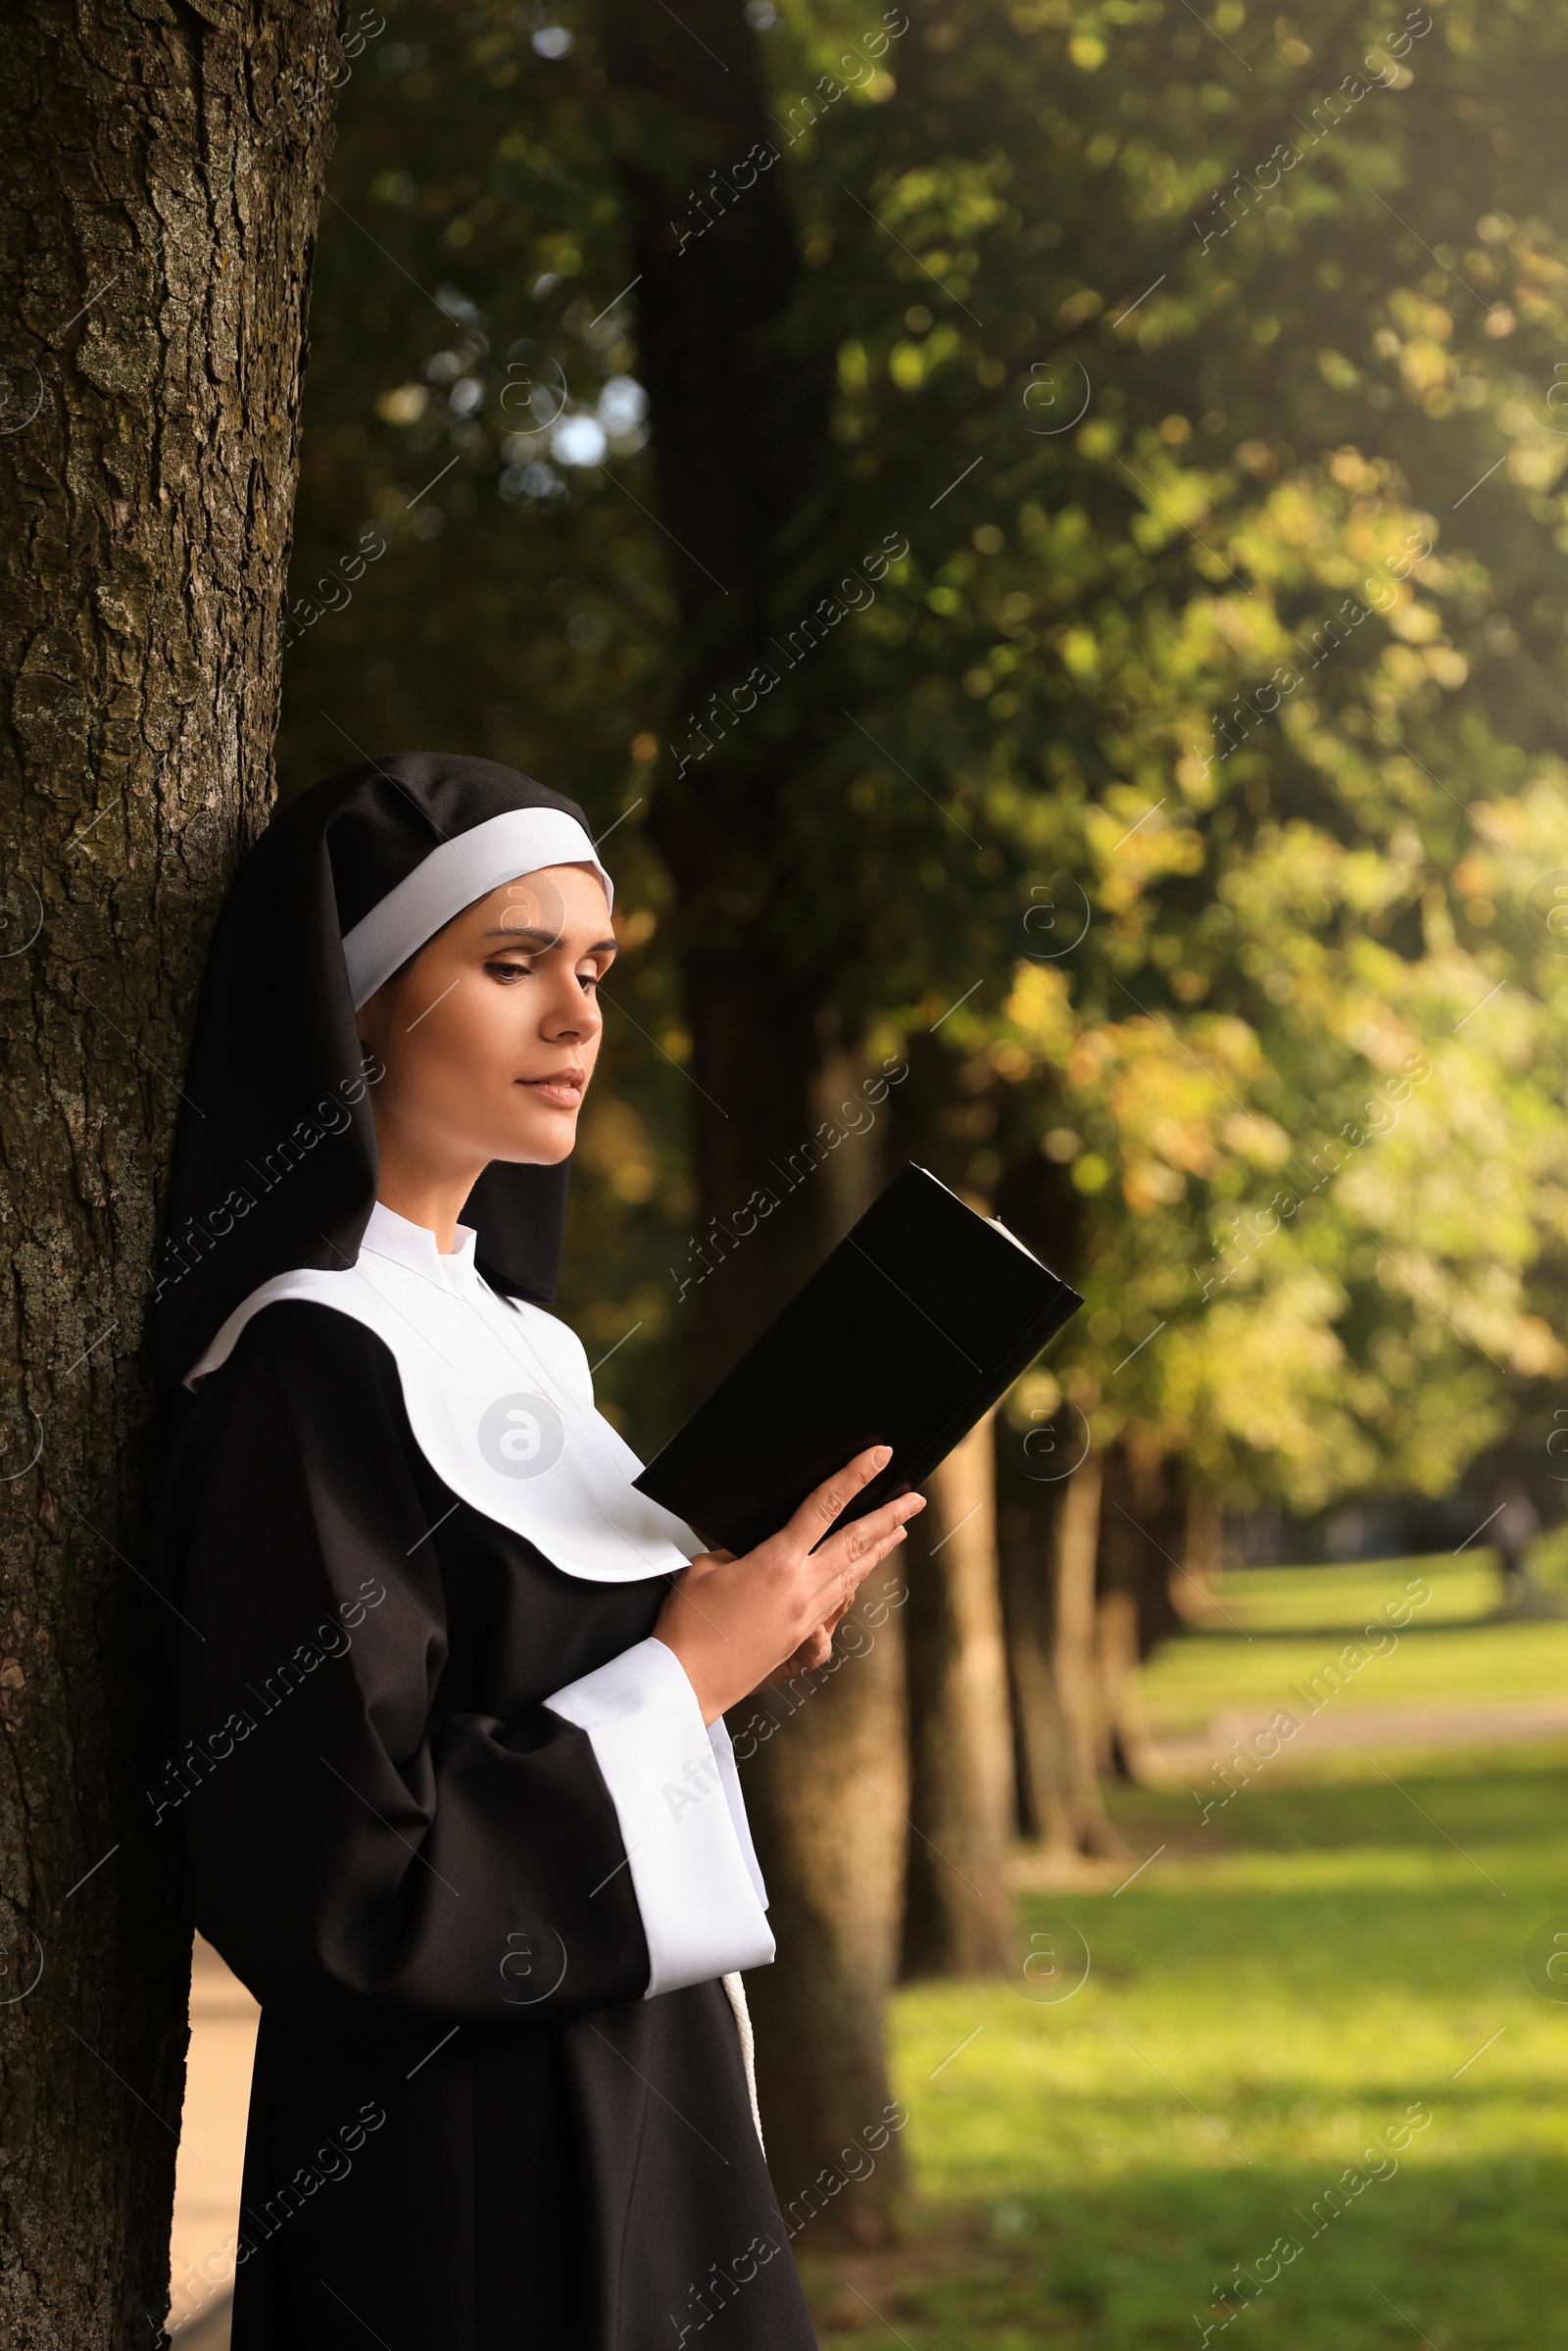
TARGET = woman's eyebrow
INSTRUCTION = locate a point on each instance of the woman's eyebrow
(533, 936)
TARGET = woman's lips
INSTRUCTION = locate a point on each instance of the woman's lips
(566, 1091)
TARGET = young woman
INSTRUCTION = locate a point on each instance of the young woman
(458, 1801)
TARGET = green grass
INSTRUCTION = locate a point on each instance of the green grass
(1267, 1600)
(1263, 2003)
(1289, 1623)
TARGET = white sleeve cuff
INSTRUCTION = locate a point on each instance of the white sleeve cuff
(729, 1772)
(677, 1797)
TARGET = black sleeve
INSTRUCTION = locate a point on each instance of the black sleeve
(351, 1845)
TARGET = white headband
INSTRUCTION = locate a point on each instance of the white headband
(454, 877)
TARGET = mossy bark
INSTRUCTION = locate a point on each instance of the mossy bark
(165, 163)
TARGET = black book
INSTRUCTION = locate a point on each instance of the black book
(908, 1332)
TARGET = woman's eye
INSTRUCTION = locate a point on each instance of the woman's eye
(505, 973)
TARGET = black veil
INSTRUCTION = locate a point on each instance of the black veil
(275, 1162)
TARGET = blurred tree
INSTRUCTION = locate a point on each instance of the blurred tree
(726, 383)
(1140, 675)
(1048, 1533)
(962, 1802)
(1270, 907)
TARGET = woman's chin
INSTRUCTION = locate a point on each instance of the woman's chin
(544, 1142)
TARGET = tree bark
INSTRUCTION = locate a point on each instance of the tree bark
(1075, 1664)
(1123, 1742)
(961, 1798)
(826, 1781)
(1140, 1529)
(165, 167)
(745, 464)
(963, 1807)
(1025, 1539)
(1037, 1202)
(1143, 1527)
(1202, 1555)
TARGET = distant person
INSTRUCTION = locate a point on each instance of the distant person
(1514, 1530)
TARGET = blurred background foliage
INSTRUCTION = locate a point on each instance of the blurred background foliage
(1190, 777)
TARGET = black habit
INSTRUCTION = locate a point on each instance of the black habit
(502, 2091)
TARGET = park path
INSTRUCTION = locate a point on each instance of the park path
(1419, 1723)
(212, 2144)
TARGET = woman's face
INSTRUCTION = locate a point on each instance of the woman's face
(490, 1034)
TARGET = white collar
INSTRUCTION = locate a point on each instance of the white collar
(413, 1246)
(499, 1397)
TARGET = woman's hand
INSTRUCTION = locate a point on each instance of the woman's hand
(734, 1623)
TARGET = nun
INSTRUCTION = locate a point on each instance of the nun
(457, 1797)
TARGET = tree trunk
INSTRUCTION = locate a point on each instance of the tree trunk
(1038, 1202)
(1141, 1523)
(1025, 1545)
(961, 1807)
(1142, 1528)
(830, 1798)
(165, 173)
(1074, 1665)
(1202, 1555)
(1123, 1743)
(826, 1781)
(745, 463)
